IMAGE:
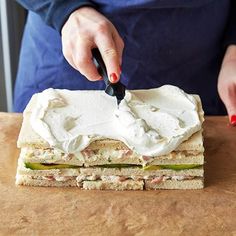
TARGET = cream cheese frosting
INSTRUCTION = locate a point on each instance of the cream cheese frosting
(150, 122)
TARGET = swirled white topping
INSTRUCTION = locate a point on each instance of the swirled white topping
(150, 122)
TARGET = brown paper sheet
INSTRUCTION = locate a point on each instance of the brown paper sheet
(70, 211)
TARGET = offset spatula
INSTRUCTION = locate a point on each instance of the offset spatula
(112, 89)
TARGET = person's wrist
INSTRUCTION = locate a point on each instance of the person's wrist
(82, 10)
(77, 12)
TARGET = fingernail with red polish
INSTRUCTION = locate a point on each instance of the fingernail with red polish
(233, 120)
(113, 78)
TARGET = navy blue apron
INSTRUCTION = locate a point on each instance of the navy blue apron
(176, 42)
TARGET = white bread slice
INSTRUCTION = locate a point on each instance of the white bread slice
(109, 185)
(141, 173)
(197, 183)
(29, 181)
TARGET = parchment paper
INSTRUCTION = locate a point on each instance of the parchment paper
(70, 211)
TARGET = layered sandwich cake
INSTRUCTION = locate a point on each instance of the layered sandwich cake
(83, 139)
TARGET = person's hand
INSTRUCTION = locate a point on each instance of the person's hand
(227, 83)
(84, 30)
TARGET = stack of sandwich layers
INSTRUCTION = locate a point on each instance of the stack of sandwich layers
(105, 162)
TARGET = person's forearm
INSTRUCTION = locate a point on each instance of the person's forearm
(54, 12)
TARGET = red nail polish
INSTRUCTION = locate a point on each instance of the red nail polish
(233, 120)
(113, 78)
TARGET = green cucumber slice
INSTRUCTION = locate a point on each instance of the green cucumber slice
(43, 166)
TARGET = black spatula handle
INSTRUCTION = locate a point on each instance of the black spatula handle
(99, 63)
(113, 89)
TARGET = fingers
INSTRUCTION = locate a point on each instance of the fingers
(119, 45)
(110, 54)
(233, 120)
(230, 103)
(81, 59)
(227, 83)
(229, 99)
(227, 87)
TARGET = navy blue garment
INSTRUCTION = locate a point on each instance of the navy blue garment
(179, 42)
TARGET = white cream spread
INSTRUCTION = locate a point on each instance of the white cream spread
(150, 122)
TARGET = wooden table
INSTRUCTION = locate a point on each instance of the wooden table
(70, 211)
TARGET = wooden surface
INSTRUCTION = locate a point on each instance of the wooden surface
(69, 211)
